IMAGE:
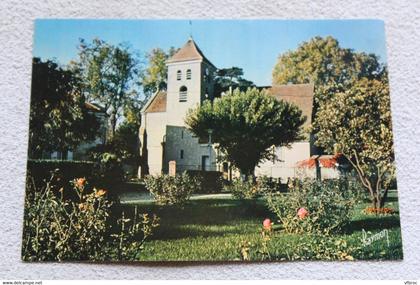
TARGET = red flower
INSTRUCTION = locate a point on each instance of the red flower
(267, 224)
(302, 213)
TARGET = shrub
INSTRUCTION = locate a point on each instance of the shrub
(270, 185)
(65, 170)
(172, 190)
(60, 229)
(109, 168)
(250, 189)
(321, 247)
(305, 247)
(211, 181)
(314, 206)
(239, 189)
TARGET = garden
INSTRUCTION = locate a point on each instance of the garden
(246, 221)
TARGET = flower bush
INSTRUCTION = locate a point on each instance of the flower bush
(57, 229)
(251, 189)
(321, 247)
(172, 190)
(305, 247)
(239, 189)
(379, 211)
(313, 206)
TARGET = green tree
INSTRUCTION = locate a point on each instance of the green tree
(246, 125)
(155, 76)
(325, 63)
(109, 76)
(357, 124)
(59, 120)
(228, 79)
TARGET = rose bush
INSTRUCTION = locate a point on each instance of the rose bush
(314, 206)
(57, 229)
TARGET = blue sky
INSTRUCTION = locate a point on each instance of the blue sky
(253, 45)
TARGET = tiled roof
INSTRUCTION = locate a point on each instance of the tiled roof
(302, 95)
(158, 103)
(190, 51)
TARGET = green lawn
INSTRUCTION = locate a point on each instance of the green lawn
(213, 229)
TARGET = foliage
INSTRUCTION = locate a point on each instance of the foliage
(306, 247)
(155, 76)
(109, 75)
(128, 246)
(60, 229)
(122, 149)
(268, 185)
(59, 120)
(246, 125)
(212, 229)
(109, 169)
(210, 181)
(357, 123)
(259, 250)
(247, 189)
(172, 190)
(312, 206)
(330, 67)
(64, 171)
(228, 79)
(379, 211)
(322, 247)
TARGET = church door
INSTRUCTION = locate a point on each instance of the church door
(205, 163)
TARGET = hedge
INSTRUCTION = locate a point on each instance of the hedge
(211, 181)
(40, 170)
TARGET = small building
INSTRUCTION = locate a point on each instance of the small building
(81, 152)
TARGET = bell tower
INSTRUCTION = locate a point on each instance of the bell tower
(190, 82)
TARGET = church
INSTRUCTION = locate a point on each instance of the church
(165, 139)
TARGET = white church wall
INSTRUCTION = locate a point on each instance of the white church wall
(179, 139)
(288, 157)
(155, 124)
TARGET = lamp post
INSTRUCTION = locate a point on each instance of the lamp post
(210, 132)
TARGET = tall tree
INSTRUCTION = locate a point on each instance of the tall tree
(329, 66)
(59, 120)
(109, 75)
(154, 77)
(357, 124)
(246, 125)
(325, 63)
(228, 79)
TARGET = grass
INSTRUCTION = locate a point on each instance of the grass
(214, 229)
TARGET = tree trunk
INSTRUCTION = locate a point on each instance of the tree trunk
(246, 174)
(383, 198)
(112, 124)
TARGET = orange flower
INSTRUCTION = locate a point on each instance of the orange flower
(100, 192)
(380, 211)
(80, 182)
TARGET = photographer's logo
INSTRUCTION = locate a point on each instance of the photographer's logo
(368, 238)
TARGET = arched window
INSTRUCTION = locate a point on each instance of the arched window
(183, 94)
(188, 74)
(178, 75)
